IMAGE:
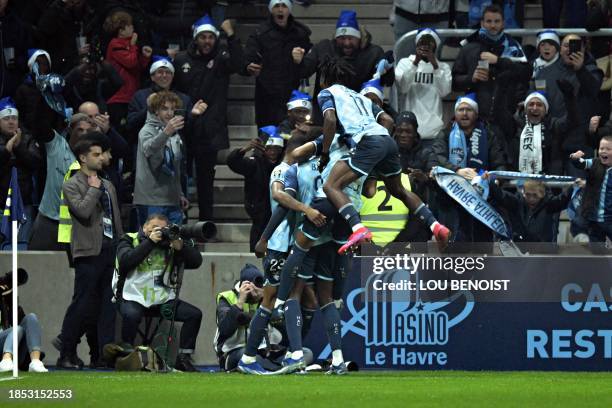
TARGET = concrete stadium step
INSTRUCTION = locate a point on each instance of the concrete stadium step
(332, 11)
(229, 192)
(233, 232)
(225, 174)
(241, 113)
(232, 247)
(242, 133)
(227, 212)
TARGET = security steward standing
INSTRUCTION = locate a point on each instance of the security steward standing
(143, 283)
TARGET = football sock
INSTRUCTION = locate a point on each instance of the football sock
(424, 214)
(351, 215)
(332, 325)
(257, 330)
(293, 324)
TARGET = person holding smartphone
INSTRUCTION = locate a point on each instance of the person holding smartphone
(423, 82)
(578, 67)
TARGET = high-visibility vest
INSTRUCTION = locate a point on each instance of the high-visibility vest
(238, 339)
(384, 214)
(64, 229)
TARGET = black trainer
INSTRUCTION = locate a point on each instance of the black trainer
(70, 362)
(183, 363)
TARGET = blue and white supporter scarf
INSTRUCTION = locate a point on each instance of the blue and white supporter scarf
(517, 175)
(464, 193)
(476, 156)
(511, 48)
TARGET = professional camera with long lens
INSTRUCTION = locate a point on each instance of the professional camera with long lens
(200, 231)
(6, 281)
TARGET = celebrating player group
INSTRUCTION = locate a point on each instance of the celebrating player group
(316, 197)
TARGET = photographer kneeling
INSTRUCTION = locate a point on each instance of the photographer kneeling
(145, 261)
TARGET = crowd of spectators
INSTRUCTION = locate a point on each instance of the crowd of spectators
(136, 92)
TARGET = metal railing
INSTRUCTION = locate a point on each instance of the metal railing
(405, 45)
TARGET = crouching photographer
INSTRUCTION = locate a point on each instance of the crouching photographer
(147, 279)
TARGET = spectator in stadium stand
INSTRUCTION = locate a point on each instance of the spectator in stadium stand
(535, 139)
(16, 35)
(94, 81)
(462, 149)
(374, 91)
(95, 218)
(413, 154)
(124, 55)
(17, 149)
(268, 52)
(118, 146)
(203, 72)
(414, 14)
(59, 158)
(162, 75)
(486, 54)
(298, 117)
(354, 45)
(423, 82)
(575, 13)
(599, 15)
(157, 188)
(578, 68)
(257, 169)
(533, 213)
(57, 31)
(27, 95)
(596, 204)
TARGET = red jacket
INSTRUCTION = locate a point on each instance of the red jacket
(129, 62)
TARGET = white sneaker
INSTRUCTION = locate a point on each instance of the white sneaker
(6, 365)
(37, 366)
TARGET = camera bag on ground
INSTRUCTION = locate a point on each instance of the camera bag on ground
(140, 358)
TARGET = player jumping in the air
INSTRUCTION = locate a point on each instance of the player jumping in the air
(375, 153)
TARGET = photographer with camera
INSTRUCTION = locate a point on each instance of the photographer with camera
(235, 309)
(144, 282)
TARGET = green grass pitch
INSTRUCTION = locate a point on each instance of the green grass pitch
(367, 389)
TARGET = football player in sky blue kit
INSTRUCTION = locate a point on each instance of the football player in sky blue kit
(277, 249)
(375, 152)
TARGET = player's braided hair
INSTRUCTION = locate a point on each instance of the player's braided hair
(336, 70)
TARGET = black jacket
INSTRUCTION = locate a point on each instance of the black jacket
(256, 170)
(15, 34)
(555, 131)
(107, 83)
(271, 46)
(537, 225)
(57, 31)
(27, 98)
(206, 77)
(130, 257)
(466, 63)
(27, 157)
(497, 156)
(363, 62)
(416, 158)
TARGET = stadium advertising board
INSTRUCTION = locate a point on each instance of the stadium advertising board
(485, 313)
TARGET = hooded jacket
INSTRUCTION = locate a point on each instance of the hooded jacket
(129, 62)
(206, 77)
(422, 91)
(153, 185)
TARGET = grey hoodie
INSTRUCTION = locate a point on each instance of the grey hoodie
(154, 186)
